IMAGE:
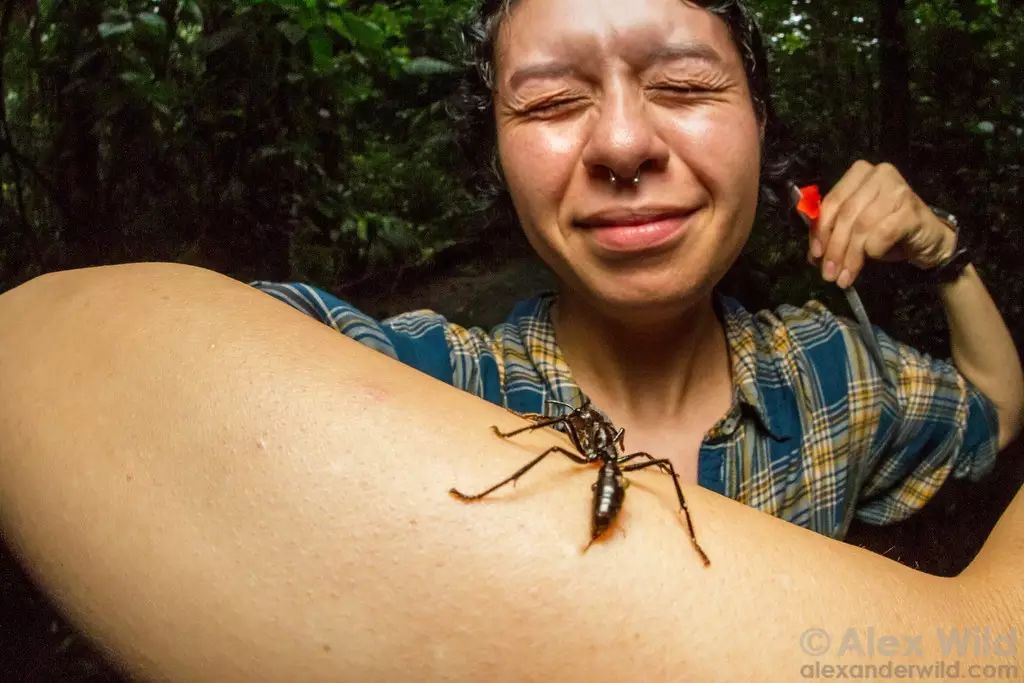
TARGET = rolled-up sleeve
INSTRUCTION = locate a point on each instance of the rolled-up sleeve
(331, 311)
(417, 339)
(944, 427)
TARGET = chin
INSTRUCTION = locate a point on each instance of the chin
(650, 301)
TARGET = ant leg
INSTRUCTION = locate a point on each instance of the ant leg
(663, 465)
(527, 428)
(521, 471)
(633, 456)
(667, 465)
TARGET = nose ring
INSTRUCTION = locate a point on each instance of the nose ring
(615, 179)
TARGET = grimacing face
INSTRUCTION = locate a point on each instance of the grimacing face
(586, 88)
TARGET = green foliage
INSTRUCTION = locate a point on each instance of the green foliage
(306, 139)
(965, 134)
(270, 138)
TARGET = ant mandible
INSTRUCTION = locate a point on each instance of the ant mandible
(597, 440)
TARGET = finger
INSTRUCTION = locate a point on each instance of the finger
(879, 232)
(870, 217)
(848, 223)
(894, 183)
(888, 234)
(854, 178)
(853, 262)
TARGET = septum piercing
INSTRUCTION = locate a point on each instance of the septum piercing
(615, 179)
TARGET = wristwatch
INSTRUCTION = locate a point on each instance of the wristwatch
(953, 267)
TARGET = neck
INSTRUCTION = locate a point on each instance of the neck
(646, 370)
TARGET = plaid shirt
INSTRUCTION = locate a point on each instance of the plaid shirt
(814, 436)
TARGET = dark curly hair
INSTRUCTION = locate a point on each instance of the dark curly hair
(472, 107)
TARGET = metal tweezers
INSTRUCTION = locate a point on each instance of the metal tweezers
(867, 332)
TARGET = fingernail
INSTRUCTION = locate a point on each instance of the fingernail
(816, 249)
(830, 271)
(845, 279)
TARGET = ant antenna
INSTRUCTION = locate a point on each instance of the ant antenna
(561, 403)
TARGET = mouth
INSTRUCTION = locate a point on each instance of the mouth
(629, 232)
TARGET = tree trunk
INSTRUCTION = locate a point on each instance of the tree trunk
(894, 72)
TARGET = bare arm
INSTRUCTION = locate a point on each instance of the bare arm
(983, 350)
(216, 487)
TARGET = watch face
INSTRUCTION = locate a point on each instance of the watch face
(946, 217)
(943, 215)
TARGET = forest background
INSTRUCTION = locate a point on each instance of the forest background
(307, 140)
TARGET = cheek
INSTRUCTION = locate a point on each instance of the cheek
(724, 152)
(538, 167)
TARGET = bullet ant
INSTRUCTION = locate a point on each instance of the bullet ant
(597, 440)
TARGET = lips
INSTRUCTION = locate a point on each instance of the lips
(628, 232)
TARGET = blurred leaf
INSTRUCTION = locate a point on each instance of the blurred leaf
(216, 41)
(428, 66)
(84, 60)
(191, 10)
(362, 33)
(293, 32)
(320, 47)
(133, 77)
(109, 30)
(153, 22)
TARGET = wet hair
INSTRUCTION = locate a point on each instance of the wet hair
(472, 107)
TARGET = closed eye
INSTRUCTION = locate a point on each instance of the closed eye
(685, 89)
(686, 95)
(552, 107)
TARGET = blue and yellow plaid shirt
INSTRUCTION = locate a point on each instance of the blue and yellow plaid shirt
(815, 435)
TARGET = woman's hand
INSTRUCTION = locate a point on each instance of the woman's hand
(873, 213)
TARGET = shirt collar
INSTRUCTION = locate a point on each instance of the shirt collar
(538, 335)
(758, 382)
(756, 378)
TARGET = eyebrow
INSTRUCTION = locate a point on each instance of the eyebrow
(539, 71)
(692, 51)
(700, 52)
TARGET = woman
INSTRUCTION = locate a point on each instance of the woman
(632, 139)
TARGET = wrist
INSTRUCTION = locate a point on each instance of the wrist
(951, 258)
(943, 245)
(949, 244)
(941, 250)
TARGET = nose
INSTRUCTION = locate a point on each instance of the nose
(624, 139)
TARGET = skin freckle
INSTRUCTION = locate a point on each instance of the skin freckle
(376, 394)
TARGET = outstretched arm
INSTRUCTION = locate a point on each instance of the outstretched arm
(215, 487)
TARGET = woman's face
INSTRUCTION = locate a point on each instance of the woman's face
(587, 88)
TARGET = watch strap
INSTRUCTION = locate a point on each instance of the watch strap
(953, 267)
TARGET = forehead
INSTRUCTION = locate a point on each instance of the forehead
(588, 32)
